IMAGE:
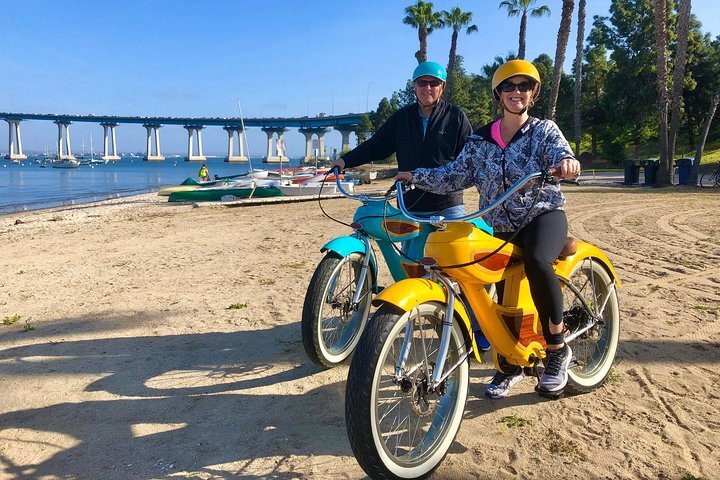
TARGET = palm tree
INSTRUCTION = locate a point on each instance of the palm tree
(683, 32)
(562, 41)
(422, 17)
(578, 74)
(457, 20)
(660, 21)
(521, 8)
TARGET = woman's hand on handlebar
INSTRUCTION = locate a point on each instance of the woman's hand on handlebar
(567, 168)
(405, 177)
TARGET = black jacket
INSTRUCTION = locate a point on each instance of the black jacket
(402, 134)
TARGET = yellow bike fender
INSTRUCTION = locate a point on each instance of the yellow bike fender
(586, 250)
(411, 292)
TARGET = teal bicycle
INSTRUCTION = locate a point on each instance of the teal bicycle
(338, 299)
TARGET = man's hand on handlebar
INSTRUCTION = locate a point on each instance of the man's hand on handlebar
(404, 177)
(338, 163)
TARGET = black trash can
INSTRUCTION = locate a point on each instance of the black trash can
(651, 168)
(684, 166)
(632, 172)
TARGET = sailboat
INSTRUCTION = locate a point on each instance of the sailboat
(255, 173)
(93, 160)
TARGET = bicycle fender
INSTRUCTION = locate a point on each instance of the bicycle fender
(411, 292)
(347, 245)
(586, 250)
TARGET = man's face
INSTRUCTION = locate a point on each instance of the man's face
(428, 89)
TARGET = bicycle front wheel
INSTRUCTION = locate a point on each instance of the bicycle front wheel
(595, 349)
(397, 427)
(331, 324)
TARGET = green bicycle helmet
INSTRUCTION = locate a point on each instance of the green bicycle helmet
(430, 69)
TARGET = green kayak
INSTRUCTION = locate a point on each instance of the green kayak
(216, 194)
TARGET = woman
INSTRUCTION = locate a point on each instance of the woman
(493, 159)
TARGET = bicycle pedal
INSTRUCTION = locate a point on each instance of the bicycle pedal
(573, 363)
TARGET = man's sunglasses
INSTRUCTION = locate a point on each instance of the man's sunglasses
(425, 83)
(510, 87)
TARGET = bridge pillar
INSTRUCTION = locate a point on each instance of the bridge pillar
(15, 151)
(195, 131)
(320, 132)
(240, 134)
(109, 127)
(64, 135)
(345, 131)
(149, 155)
(280, 155)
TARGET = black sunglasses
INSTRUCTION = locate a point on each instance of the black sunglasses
(425, 83)
(510, 87)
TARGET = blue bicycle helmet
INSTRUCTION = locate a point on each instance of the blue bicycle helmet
(430, 69)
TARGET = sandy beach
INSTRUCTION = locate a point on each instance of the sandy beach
(143, 339)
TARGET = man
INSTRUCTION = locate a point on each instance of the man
(425, 134)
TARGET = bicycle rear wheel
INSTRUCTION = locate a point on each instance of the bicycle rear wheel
(595, 349)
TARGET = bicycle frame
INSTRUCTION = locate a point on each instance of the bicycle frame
(512, 327)
(376, 219)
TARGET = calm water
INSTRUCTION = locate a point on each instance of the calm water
(30, 186)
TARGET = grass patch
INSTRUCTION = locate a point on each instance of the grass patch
(10, 319)
(27, 327)
(654, 288)
(513, 421)
(564, 447)
(267, 281)
(697, 346)
(296, 266)
(705, 308)
(613, 377)
(672, 322)
(237, 306)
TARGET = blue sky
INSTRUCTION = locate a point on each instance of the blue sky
(189, 58)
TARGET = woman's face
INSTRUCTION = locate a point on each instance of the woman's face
(516, 93)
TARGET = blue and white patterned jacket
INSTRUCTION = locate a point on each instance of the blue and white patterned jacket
(538, 145)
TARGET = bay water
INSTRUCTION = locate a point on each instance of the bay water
(33, 184)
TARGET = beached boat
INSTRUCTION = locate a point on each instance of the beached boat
(190, 184)
(226, 193)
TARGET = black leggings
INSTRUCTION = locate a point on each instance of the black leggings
(542, 240)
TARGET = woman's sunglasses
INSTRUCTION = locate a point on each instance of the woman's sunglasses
(510, 87)
(425, 83)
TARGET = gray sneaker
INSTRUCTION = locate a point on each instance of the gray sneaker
(555, 376)
(502, 382)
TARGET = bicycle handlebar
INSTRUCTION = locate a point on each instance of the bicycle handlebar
(361, 198)
(547, 175)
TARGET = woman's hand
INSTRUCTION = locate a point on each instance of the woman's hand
(568, 167)
(404, 177)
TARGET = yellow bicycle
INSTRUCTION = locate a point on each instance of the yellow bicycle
(408, 381)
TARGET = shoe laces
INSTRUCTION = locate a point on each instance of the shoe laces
(555, 361)
(500, 377)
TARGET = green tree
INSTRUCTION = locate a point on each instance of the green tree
(422, 17)
(707, 94)
(364, 130)
(678, 80)
(562, 41)
(406, 96)
(593, 96)
(384, 111)
(577, 93)
(521, 8)
(457, 20)
(660, 20)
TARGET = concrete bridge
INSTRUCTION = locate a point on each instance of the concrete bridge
(275, 128)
